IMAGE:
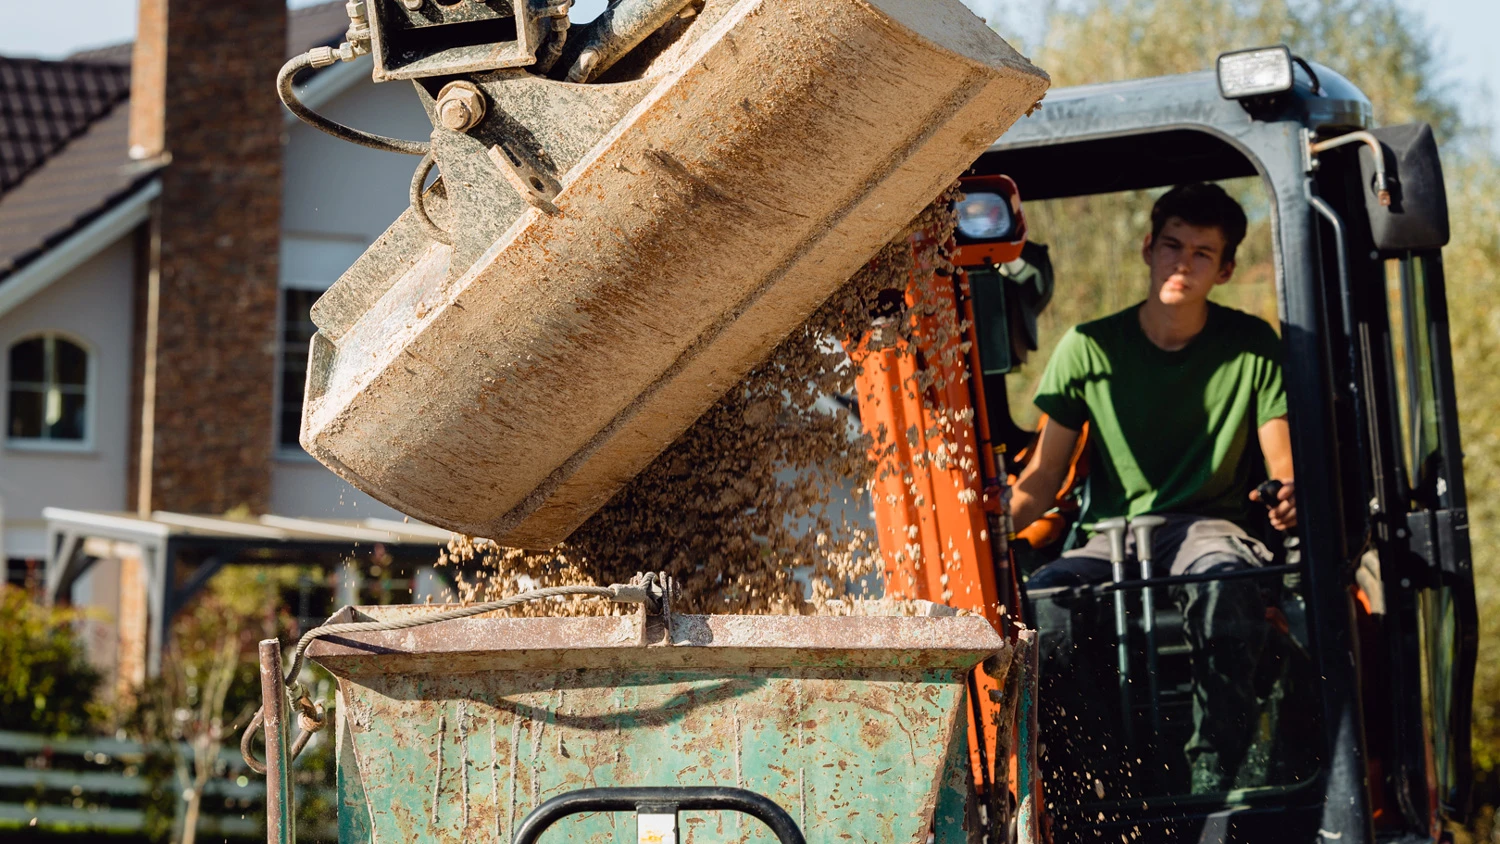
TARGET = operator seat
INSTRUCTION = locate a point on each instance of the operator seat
(1046, 538)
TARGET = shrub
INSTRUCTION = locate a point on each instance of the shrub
(46, 683)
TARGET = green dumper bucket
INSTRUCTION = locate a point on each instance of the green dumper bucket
(855, 726)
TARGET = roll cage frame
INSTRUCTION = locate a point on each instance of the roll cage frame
(1341, 385)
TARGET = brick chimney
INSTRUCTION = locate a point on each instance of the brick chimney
(203, 102)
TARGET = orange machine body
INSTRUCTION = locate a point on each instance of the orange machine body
(936, 494)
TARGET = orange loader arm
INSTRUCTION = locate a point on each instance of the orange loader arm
(937, 493)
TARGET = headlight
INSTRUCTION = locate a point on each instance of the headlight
(1255, 73)
(985, 216)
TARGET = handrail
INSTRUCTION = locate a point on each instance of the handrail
(659, 800)
(1352, 342)
(1171, 580)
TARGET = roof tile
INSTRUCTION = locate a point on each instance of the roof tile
(64, 133)
(74, 186)
(48, 103)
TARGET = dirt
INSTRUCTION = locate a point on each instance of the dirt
(772, 479)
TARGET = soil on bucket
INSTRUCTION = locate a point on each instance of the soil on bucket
(762, 506)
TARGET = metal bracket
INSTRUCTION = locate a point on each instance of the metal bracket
(405, 39)
(535, 185)
(1310, 162)
(1431, 543)
(655, 613)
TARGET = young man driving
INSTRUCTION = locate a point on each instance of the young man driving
(1186, 410)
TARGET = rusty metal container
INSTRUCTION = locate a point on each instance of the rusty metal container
(623, 253)
(855, 726)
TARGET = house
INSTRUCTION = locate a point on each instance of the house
(165, 226)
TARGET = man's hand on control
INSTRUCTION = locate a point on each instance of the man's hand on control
(1283, 511)
(1035, 491)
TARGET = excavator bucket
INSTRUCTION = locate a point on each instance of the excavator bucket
(621, 254)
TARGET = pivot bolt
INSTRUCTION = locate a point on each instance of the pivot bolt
(460, 106)
(412, 5)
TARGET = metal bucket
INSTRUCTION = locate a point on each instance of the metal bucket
(856, 727)
(507, 386)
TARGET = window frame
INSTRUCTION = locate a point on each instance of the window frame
(1443, 611)
(283, 452)
(86, 444)
(311, 262)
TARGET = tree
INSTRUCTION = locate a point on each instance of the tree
(1473, 270)
(1381, 43)
(46, 683)
(210, 683)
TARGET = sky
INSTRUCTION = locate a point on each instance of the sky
(1463, 29)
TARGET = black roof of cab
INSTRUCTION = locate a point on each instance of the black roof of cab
(1166, 130)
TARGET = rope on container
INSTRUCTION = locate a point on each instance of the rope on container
(449, 615)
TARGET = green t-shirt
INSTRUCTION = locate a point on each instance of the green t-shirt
(1172, 432)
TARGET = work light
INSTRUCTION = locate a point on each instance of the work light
(985, 216)
(990, 227)
(1255, 73)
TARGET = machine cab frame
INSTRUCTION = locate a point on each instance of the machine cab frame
(1369, 381)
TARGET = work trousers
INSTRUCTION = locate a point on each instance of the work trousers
(1223, 623)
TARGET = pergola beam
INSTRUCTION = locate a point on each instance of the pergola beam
(163, 538)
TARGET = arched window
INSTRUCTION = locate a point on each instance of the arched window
(47, 401)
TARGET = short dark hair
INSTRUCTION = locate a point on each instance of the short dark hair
(1202, 204)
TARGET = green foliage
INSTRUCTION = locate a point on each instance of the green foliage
(313, 778)
(46, 684)
(1473, 271)
(1109, 40)
(1381, 44)
(210, 687)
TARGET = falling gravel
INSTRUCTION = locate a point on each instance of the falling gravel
(761, 507)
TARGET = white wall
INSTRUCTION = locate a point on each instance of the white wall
(92, 304)
(335, 187)
(338, 199)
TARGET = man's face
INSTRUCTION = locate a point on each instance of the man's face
(1186, 262)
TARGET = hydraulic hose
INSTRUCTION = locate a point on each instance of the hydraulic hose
(288, 95)
(419, 203)
(554, 47)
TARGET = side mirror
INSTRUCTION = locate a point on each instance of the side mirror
(1417, 217)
